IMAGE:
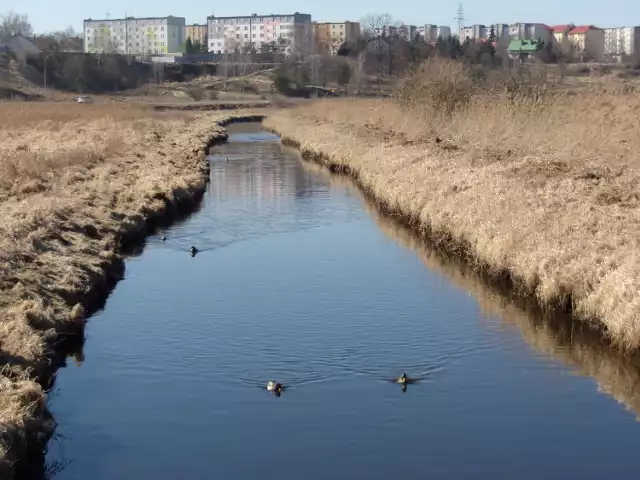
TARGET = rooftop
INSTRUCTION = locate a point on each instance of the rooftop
(562, 28)
(130, 18)
(524, 46)
(254, 15)
(583, 29)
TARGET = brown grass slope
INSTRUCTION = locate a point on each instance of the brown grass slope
(543, 192)
(76, 181)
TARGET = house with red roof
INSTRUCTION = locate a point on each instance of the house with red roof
(561, 36)
(587, 42)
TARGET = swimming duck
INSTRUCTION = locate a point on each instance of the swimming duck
(193, 250)
(402, 379)
(274, 386)
(163, 238)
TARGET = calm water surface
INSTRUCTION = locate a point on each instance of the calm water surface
(297, 282)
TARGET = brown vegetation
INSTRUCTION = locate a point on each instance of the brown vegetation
(76, 182)
(539, 187)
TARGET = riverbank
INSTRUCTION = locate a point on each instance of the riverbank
(78, 185)
(543, 197)
(564, 339)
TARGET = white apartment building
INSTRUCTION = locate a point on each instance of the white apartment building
(474, 32)
(291, 32)
(135, 36)
(407, 32)
(623, 41)
(500, 30)
(430, 33)
(530, 31)
(443, 31)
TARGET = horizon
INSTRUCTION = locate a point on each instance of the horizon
(46, 17)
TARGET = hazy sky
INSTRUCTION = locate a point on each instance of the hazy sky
(49, 15)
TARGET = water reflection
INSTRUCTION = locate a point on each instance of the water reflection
(563, 339)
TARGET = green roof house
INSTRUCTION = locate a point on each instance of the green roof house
(523, 48)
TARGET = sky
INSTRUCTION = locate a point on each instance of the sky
(47, 15)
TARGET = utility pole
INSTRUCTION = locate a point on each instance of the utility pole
(313, 53)
(460, 18)
(126, 35)
(45, 69)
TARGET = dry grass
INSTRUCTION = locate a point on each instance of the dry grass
(546, 192)
(72, 178)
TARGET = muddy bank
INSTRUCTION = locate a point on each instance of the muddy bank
(461, 214)
(64, 245)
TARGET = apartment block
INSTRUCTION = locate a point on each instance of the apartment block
(407, 32)
(135, 36)
(500, 30)
(332, 35)
(430, 32)
(588, 41)
(290, 32)
(197, 33)
(474, 32)
(530, 31)
(623, 41)
(443, 31)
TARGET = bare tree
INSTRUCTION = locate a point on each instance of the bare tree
(373, 24)
(358, 74)
(104, 42)
(15, 24)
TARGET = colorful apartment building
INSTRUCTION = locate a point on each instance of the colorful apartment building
(197, 33)
(135, 36)
(290, 32)
(330, 36)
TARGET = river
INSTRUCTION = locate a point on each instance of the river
(299, 280)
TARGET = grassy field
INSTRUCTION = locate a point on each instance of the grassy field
(74, 180)
(532, 185)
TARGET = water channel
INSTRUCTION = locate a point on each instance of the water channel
(299, 280)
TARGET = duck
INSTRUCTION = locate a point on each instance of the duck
(163, 238)
(402, 379)
(227, 159)
(274, 386)
(193, 250)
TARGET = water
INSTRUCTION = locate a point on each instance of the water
(299, 280)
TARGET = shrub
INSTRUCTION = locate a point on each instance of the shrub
(282, 82)
(439, 85)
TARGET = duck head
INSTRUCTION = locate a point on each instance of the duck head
(193, 251)
(274, 386)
